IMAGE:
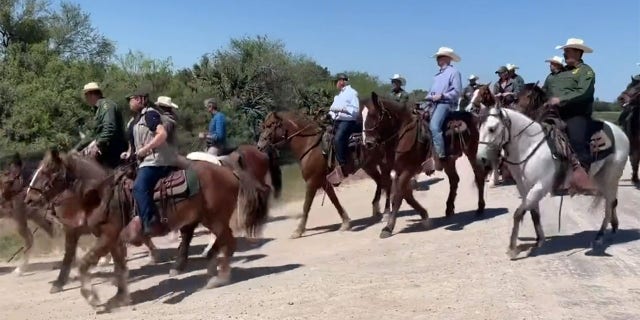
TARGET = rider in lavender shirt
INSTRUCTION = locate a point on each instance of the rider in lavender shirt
(444, 94)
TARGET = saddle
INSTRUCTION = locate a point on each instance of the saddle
(453, 128)
(179, 185)
(355, 146)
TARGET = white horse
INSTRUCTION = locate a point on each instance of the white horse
(534, 168)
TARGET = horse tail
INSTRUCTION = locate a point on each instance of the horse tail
(275, 172)
(253, 201)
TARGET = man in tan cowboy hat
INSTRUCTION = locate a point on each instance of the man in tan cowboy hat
(169, 117)
(574, 96)
(107, 140)
(518, 82)
(444, 94)
(556, 65)
(397, 92)
(467, 94)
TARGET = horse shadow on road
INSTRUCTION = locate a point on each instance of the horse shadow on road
(580, 241)
(178, 289)
(457, 222)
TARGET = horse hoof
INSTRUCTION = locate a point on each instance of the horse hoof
(513, 253)
(104, 262)
(18, 271)
(173, 273)
(345, 226)
(426, 223)
(385, 233)
(218, 281)
(91, 297)
(55, 288)
(296, 235)
(597, 243)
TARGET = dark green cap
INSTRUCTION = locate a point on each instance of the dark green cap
(138, 93)
(342, 76)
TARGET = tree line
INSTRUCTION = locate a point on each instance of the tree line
(47, 54)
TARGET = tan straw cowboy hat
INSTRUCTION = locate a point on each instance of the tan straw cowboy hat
(165, 102)
(575, 43)
(91, 86)
(511, 66)
(446, 51)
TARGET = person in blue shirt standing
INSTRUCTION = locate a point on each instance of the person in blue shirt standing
(217, 135)
(444, 94)
(344, 111)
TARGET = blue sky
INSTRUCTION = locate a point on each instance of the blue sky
(385, 37)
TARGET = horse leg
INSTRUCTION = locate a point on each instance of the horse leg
(386, 182)
(183, 250)
(454, 179)
(478, 174)
(71, 237)
(331, 193)
(513, 244)
(152, 250)
(535, 218)
(105, 243)
(397, 196)
(424, 214)
(531, 200)
(609, 207)
(308, 200)
(121, 298)
(228, 248)
(375, 203)
(27, 236)
(614, 216)
(207, 249)
(634, 160)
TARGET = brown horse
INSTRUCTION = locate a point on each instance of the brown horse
(202, 193)
(12, 206)
(304, 137)
(629, 99)
(386, 119)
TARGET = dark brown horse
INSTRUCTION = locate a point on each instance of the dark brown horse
(202, 193)
(304, 137)
(629, 99)
(386, 119)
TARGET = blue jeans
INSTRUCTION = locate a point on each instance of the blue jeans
(440, 113)
(344, 129)
(146, 180)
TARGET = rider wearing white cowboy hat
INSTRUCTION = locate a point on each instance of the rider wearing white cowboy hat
(444, 94)
(556, 65)
(574, 98)
(518, 81)
(169, 117)
(465, 99)
(397, 92)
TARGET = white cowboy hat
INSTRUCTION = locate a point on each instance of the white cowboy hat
(576, 44)
(555, 59)
(446, 51)
(166, 102)
(91, 86)
(402, 80)
(473, 77)
(511, 66)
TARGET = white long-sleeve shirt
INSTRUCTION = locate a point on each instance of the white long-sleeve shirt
(346, 105)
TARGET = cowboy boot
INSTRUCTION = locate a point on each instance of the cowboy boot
(336, 176)
(580, 181)
(439, 162)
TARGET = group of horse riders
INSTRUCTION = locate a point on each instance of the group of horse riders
(569, 89)
(149, 139)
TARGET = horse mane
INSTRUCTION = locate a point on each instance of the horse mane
(83, 167)
(537, 98)
(388, 104)
(298, 118)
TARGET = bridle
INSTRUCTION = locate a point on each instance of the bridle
(384, 113)
(286, 137)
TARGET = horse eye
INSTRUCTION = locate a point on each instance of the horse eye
(492, 130)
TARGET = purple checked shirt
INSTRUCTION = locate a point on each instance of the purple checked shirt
(447, 82)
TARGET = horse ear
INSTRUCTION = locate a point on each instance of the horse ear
(16, 160)
(489, 84)
(374, 98)
(54, 154)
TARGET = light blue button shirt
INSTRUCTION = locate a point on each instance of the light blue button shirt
(447, 82)
(346, 105)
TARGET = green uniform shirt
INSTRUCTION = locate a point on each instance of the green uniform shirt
(108, 132)
(401, 97)
(575, 88)
(549, 86)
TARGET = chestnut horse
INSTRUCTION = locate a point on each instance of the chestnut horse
(304, 136)
(385, 119)
(629, 99)
(204, 193)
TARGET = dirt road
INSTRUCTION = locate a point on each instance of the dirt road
(457, 270)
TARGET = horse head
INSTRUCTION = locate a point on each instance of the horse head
(482, 99)
(494, 134)
(378, 116)
(631, 95)
(530, 99)
(272, 131)
(11, 179)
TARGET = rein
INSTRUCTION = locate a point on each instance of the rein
(507, 123)
(287, 138)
